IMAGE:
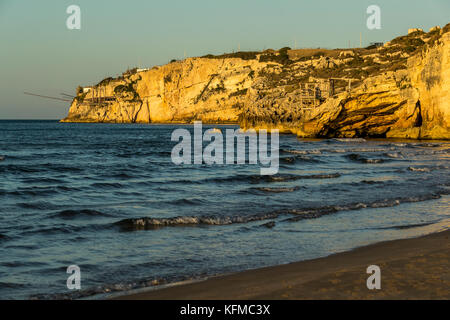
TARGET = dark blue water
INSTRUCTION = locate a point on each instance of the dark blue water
(108, 199)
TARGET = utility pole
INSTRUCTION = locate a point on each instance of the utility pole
(360, 39)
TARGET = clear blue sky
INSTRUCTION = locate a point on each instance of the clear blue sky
(39, 54)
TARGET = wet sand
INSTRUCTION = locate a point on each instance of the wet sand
(416, 268)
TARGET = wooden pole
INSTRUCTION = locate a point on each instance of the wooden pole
(46, 97)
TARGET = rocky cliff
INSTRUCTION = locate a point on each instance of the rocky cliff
(400, 89)
(207, 89)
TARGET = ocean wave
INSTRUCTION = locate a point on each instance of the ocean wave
(43, 180)
(423, 169)
(22, 247)
(299, 158)
(314, 213)
(186, 201)
(269, 225)
(407, 226)
(393, 155)
(302, 152)
(121, 175)
(149, 223)
(12, 285)
(3, 237)
(17, 169)
(349, 139)
(374, 161)
(394, 144)
(360, 150)
(338, 150)
(33, 191)
(66, 228)
(72, 214)
(107, 289)
(276, 190)
(281, 178)
(38, 205)
(54, 230)
(107, 185)
(57, 167)
(428, 152)
(288, 160)
(255, 179)
(22, 263)
(307, 159)
(68, 189)
(427, 145)
(35, 168)
(358, 158)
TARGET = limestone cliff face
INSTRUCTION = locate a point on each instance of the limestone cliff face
(430, 77)
(412, 102)
(401, 90)
(210, 90)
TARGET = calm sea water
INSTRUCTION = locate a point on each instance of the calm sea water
(74, 194)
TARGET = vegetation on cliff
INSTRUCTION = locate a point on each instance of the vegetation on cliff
(343, 92)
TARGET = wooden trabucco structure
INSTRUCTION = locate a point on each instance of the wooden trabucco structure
(312, 94)
(99, 97)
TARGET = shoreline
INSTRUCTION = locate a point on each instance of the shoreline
(413, 268)
(165, 123)
(282, 130)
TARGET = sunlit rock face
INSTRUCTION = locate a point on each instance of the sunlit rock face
(210, 90)
(399, 90)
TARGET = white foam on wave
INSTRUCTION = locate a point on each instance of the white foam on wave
(278, 190)
(298, 214)
(304, 152)
(393, 155)
(419, 169)
(350, 139)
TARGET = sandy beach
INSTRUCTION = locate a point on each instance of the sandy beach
(415, 268)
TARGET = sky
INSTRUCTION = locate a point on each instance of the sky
(38, 53)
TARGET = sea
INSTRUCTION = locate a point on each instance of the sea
(108, 199)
